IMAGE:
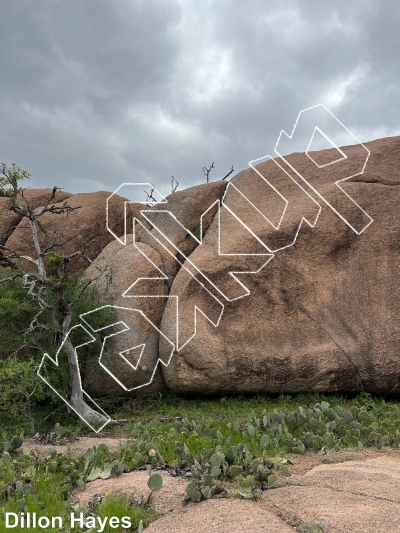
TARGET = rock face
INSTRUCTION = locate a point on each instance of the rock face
(322, 314)
(188, 207)
(356, 496)
(36, 197)
(81, 230)
(119, 267)
(220, 515)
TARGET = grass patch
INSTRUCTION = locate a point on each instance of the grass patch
(216, 408)
(120, 506)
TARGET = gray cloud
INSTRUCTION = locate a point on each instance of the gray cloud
(96, 93)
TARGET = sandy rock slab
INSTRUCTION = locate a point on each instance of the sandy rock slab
(169, 498)
(352, 497)
(338, 512)
(377, 478)
(220, 516)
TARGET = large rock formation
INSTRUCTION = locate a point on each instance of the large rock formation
(113, 272)
(188, 207)
(318, 302)
(322, 315)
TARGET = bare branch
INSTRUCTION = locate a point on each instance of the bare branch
(56, 209)
(7, 260)
(38, 284)
(22, 194)
(150, 200)
(229, 173)
(174, 184)
(83, 289)
(81, 253)
(206, 171)
(103, 272)
(34, 325)
(27, 258)
(7, 280)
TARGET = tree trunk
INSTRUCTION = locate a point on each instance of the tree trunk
(39, 253)
(77, 399)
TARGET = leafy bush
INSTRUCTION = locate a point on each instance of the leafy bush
(22, 347)
(20, 389)
(18, 310)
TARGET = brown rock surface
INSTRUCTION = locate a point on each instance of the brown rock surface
(115, 270)
(36, 197)
(373, 478)
(358, 496)
(188, 207)
(220, 516)
(122, 265)
(81, 230)
(169, 498)
(338, 512)
(322, 315)
(354, 496)
(75, 448)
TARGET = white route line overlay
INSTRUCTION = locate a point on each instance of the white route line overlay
(337, 183)
(126, 328)
(178, 347)
(277, 227)
(190, 261)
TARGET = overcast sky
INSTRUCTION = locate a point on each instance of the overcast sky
(94, 93)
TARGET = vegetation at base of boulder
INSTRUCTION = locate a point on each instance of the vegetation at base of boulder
(140, 514)
(60, 436)
(48, 284)
(212, 453)
(155, 483)
(30, 483)
(219, 454)
(365, 398)
(21, 389)
(282, 431)
(18, 310)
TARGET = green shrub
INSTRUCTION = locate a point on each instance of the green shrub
(20, 389)
(22, 347)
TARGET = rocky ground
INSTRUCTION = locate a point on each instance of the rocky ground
(343, 492)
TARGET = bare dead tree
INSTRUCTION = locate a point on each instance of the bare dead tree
(229, 173)
(174, 184)
(206, 171)
(40, 284)
(150, 200)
